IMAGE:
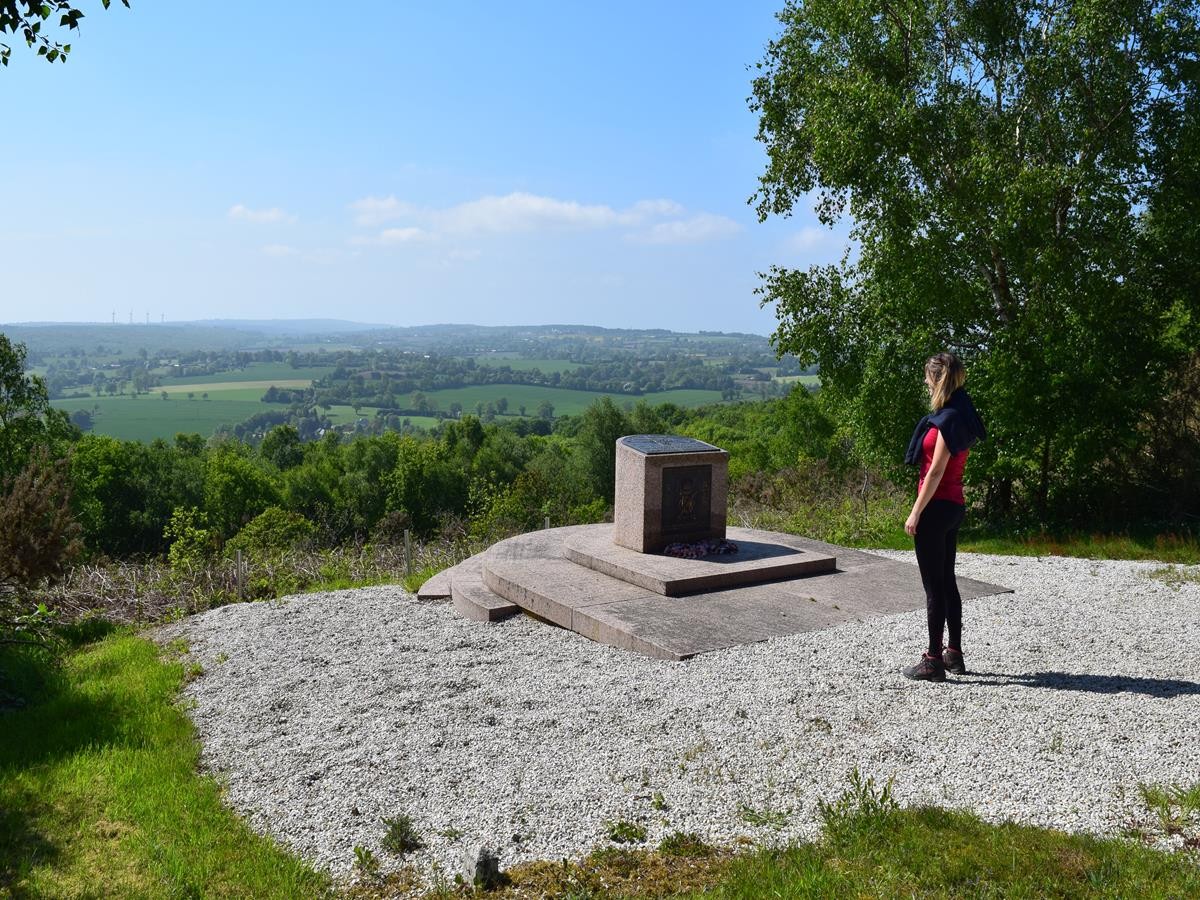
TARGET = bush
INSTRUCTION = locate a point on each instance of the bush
(274, 529)
(38, 538)
(191, 540)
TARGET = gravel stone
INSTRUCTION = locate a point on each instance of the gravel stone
(325, 713)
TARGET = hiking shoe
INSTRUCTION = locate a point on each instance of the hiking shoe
(952, 659)
(930, 668)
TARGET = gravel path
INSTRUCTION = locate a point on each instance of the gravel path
(327, 712)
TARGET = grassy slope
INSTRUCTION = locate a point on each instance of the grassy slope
(99, 794)
(274, 373)
(150, 417)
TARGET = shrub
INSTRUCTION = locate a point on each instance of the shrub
(274, 529)
(401, 836)
(623, 832)
(38, 538)
(191, 540)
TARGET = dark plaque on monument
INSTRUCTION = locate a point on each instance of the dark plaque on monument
(686, 499)
(666, 443)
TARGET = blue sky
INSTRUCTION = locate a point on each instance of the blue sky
(400, 162)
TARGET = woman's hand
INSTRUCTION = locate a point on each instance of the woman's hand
(910, 524)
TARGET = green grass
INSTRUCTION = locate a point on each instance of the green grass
(1169, 547)
(878, 853)
(99, 795)
(525, 365)
(149, 416)
(275, 373)
(229, 390)
(938, 853)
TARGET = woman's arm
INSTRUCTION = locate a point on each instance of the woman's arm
(937, 468)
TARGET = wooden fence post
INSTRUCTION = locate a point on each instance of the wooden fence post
(407, 552)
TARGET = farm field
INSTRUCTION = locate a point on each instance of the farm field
(149, 416)
(231, 401)
(231, 390)
(266, 373)
(525, 365)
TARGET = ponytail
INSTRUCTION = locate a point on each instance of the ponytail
(947, 373)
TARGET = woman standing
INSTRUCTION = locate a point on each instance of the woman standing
(940, 446)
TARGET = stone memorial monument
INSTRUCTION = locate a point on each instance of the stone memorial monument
(614, 584)
(669, 489)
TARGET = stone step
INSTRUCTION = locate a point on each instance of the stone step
(760, 557)
(438, 586)
(471, 597)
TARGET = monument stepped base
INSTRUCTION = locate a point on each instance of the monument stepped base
(671, 608)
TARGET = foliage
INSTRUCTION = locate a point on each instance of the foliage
(684, 843)
(273, 529)
(860, 804)
(401, 836)
(1021, 177)
(191, 540)
(151, 590)
(27, 421)
(236, 489)
(1176, 808)
(38, 539)
(125, 492)
(26, 17)
(625, 832)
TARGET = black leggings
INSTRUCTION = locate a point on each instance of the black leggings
(936, 543)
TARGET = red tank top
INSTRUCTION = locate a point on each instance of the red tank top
(951, 486)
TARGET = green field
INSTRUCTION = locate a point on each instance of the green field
(229, 390)
(566, 402)
(497, 360)
(149, 416)
(271, 373)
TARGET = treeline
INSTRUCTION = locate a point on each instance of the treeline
(134, 499)
(386, 379)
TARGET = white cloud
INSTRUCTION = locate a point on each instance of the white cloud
(652, 209)
(520, 212)
(391, 236)
(279, 250)
(523, 212)
(698, 228)
(272, 216)
(377, 210)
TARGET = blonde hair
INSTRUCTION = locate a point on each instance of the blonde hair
(947, 373)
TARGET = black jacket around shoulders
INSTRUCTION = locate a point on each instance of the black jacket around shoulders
(958, 422)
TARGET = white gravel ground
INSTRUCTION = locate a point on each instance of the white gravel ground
(325, 713)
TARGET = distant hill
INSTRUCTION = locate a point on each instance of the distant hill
(291, 327)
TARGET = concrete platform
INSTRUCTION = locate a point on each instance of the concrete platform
(754, 562)
(534, 572)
